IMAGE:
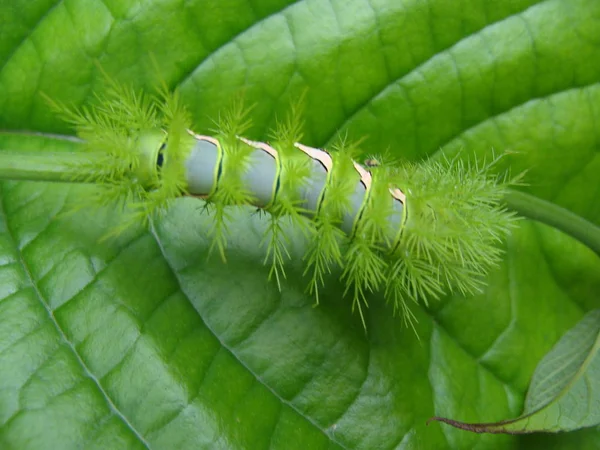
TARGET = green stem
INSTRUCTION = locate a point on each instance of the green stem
(79, 166)
(555, 216)
(84, 166)
(50, 166)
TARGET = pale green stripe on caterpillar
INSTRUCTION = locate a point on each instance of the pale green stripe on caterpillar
(415, 231)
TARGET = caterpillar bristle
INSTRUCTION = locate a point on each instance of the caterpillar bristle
(412, 231)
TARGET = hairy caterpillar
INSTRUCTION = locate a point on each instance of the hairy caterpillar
(414, 231)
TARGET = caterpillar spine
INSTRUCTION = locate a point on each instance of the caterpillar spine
(415, 231)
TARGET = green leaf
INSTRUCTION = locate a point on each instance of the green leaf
(564, 394)
(145, 342)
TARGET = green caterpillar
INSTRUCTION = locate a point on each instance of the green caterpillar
(413, 231)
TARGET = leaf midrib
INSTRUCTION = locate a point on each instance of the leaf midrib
(224, 345)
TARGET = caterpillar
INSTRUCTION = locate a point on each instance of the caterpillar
(412, 231)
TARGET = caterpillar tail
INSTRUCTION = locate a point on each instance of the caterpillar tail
(412, 231)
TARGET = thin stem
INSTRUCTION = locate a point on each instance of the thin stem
(50, 166)
(564, 220)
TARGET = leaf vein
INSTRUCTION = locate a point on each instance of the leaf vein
(61, 332)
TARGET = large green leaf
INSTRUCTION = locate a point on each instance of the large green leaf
(143, 341)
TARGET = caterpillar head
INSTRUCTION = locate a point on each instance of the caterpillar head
(139, 143)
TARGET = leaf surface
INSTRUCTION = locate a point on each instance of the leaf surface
(145, 342)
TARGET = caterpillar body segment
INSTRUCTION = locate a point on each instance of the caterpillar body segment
(412, 231)
(261, 178)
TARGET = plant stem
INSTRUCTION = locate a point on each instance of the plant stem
(50, 166)
(83, 167)
(560, 218)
